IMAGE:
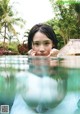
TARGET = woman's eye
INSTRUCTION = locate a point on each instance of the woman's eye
(46, 43)
(36, 43)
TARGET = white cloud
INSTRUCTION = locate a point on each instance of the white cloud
(33, 11)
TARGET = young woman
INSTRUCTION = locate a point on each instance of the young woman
(42, 41)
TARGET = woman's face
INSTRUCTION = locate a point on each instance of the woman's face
(41, 44)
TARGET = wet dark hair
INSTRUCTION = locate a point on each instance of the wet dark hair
(45, 29)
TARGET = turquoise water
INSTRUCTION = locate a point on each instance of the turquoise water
(39, 85)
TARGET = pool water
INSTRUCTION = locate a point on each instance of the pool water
(32, 85)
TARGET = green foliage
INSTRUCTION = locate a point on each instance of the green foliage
(13, 46)
(67, 20)
(1, 11)
(9, 47)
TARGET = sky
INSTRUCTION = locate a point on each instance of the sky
(33, 11)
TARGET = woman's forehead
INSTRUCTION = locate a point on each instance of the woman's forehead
(40, 37)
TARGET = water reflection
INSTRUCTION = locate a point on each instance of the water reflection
(72, 65)
(9, 66)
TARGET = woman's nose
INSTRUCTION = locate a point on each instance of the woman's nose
(41, 48)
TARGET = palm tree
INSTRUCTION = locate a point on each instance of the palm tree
(8, 19)
(77, 9)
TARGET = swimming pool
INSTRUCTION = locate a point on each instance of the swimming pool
(40, 84)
